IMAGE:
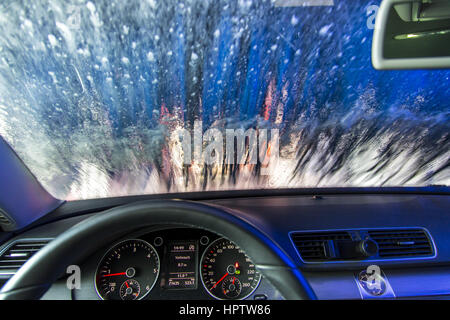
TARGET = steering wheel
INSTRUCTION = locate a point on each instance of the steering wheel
(37, 275)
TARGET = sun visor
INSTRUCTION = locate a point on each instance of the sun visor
(412, 34)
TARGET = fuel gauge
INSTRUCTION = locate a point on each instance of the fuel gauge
(231, 287)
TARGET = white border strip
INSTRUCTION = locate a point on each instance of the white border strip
(304, 3)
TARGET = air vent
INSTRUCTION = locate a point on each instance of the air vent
(363, 244)
(4, 220)
(17, 254)
(402, 243)
(313, 246)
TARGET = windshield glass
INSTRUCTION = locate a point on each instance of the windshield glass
(111, 98)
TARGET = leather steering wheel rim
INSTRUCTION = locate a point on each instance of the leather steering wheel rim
(80, 241)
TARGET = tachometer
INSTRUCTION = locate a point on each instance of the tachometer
(128, 271)
(227, 273)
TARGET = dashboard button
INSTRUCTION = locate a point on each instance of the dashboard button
(204, 240)
(260, 297)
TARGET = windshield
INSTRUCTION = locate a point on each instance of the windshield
(112, 98)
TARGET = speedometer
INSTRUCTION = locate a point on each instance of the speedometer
(227, 272)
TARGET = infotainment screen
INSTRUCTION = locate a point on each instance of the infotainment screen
(182, 265)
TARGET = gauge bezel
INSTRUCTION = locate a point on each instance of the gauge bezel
(201, 275)
(117, 244)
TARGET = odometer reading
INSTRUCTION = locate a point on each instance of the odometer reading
(128, 271)
(182, 265)
(227, 273)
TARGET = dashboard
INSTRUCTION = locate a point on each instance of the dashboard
(173, 263)
(186, 262)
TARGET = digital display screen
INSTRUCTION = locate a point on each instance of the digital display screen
(182, 265)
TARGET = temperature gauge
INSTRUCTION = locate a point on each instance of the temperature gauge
(130, 290)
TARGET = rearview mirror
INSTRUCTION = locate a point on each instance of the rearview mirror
(412, 34)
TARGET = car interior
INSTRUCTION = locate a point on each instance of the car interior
(102, 196)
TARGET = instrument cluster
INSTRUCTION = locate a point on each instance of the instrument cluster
(166, 262)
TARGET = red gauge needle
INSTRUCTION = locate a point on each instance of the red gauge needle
(234, 278)
(126, 283)
(219, 281)
(114, 274)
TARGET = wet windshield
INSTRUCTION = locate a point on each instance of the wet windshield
(109, 98)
